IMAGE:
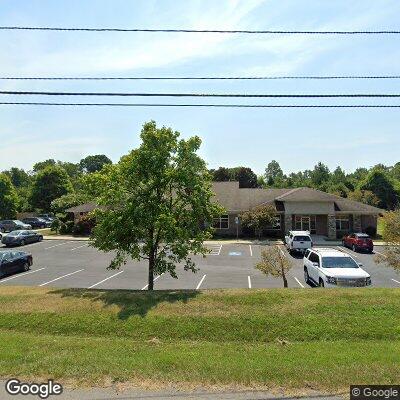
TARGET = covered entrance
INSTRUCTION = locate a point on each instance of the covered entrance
(305, 223)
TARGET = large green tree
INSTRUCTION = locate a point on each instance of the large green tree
(8, 198)
(155, 202)
(273, 174)
(94, 163)
(50, 183)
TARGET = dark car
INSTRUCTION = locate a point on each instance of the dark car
(358, 242)
(46, 217)
(37, 222)
(9, 225)
(20, 238)
(14, 261)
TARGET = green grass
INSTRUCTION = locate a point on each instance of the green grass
(325, 339)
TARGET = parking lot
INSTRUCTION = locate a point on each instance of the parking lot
(75, 264)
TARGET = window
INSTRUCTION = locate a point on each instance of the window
(342, 224)
(222, 222)
(338, 262)
(314, 258)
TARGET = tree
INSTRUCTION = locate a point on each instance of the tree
(364, 196)
(246, 177)
(274, 262)
(50, 183)
(221, 174)
(19, 178)
(320, 174)
(259, 218)
(157, 204)
(273, 173)
(378, 183)
(94, 163)
(66, 201)
(391, 235)
(43, 164)
(8, 198)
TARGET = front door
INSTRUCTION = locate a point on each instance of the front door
(302, 223)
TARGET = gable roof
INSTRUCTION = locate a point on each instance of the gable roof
(87, 207)
(305, 194)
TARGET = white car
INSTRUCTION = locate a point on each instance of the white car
(298, 241)
(328, 267)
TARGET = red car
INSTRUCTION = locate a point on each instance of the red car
(358, 242)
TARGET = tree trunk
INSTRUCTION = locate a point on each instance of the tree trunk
(285, 285)
(151, 272)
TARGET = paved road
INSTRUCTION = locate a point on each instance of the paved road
(75, 264)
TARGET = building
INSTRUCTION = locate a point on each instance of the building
(300, 209)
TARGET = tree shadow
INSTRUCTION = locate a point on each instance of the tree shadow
(130, 302)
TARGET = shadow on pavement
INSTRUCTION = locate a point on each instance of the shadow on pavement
(129, 302)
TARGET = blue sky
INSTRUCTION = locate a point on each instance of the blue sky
(298, 139)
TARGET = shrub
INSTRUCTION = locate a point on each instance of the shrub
(84, 226)
(56, 225)
(66, 227)
(370, 230)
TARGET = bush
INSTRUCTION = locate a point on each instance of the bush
(370, 230)
(66, 227)
(56, 225)
(84, 226)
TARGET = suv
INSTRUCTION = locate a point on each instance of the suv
(298, 241)
(327, 267)
(358, 242)
(37, 222)
(10, 225)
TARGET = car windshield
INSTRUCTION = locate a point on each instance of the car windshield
(338, 262)
(17, 222)
(302, 239)
(14, 233)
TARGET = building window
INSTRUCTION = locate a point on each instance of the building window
(222, 222)
(306, 223)
(342, 224)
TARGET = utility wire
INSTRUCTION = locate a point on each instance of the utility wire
(201, 105)
(223, 95)
(273, 32)
(66, 78)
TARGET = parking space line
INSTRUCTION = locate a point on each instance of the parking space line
(79, 247)
(249, 281)
(251, 251)
(23, 274)
(56, 245)
(215, 250)
(381, 254)
(201, 281)
(158, 276)
(345, 251)
(299, 282)
(60, 277)
(394, 280)
(112, 276)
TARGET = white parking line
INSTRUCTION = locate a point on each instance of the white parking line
(299, 282)
(60, 277)
(145, 287)
(249, 280)
(251, 251)
(381, 254)
(79, 247)
(284, 255)
(56, 245)
(201, 281)
(112, 276)
(215, 250)
(345, 251)
(394, 280)
(23, 274)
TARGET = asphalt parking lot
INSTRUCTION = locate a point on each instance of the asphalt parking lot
(73, 264)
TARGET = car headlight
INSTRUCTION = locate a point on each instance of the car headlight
(331, 280)
(368, 281)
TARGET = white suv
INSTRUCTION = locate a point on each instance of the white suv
(327, 267)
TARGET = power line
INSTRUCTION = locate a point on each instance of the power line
(202, 105)
(272, 32)
(220, 95)
(66, 78)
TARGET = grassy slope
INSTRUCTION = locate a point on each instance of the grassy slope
(333, 337)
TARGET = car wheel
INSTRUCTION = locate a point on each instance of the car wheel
(40, 238)
(42, 226)
(2, 230)
(354, 248)
(22, 242)
(321, 283)
(26, 267)
(343, 243)
(306, 276)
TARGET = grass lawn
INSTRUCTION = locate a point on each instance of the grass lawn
(293, 338)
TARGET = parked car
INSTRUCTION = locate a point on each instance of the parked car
(298, 241)
(358, 242)
(10, 225)
(46, 217)
(14, 261)
(20, 238)
(37, 222)
(327, 267)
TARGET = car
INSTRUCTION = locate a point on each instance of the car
(298, 241)
(46, 217)
(14, 261)
(21, 237)
(358, 242)
(37, 222)
(328, 267)
(10, 225)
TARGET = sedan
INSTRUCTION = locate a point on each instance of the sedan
(10, 225)
(358, 242)
(37, 222)
(14, 261)
(20, 238)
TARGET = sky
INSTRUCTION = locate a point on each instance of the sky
(296, 138)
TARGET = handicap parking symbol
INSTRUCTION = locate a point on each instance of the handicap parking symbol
(235, 253)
